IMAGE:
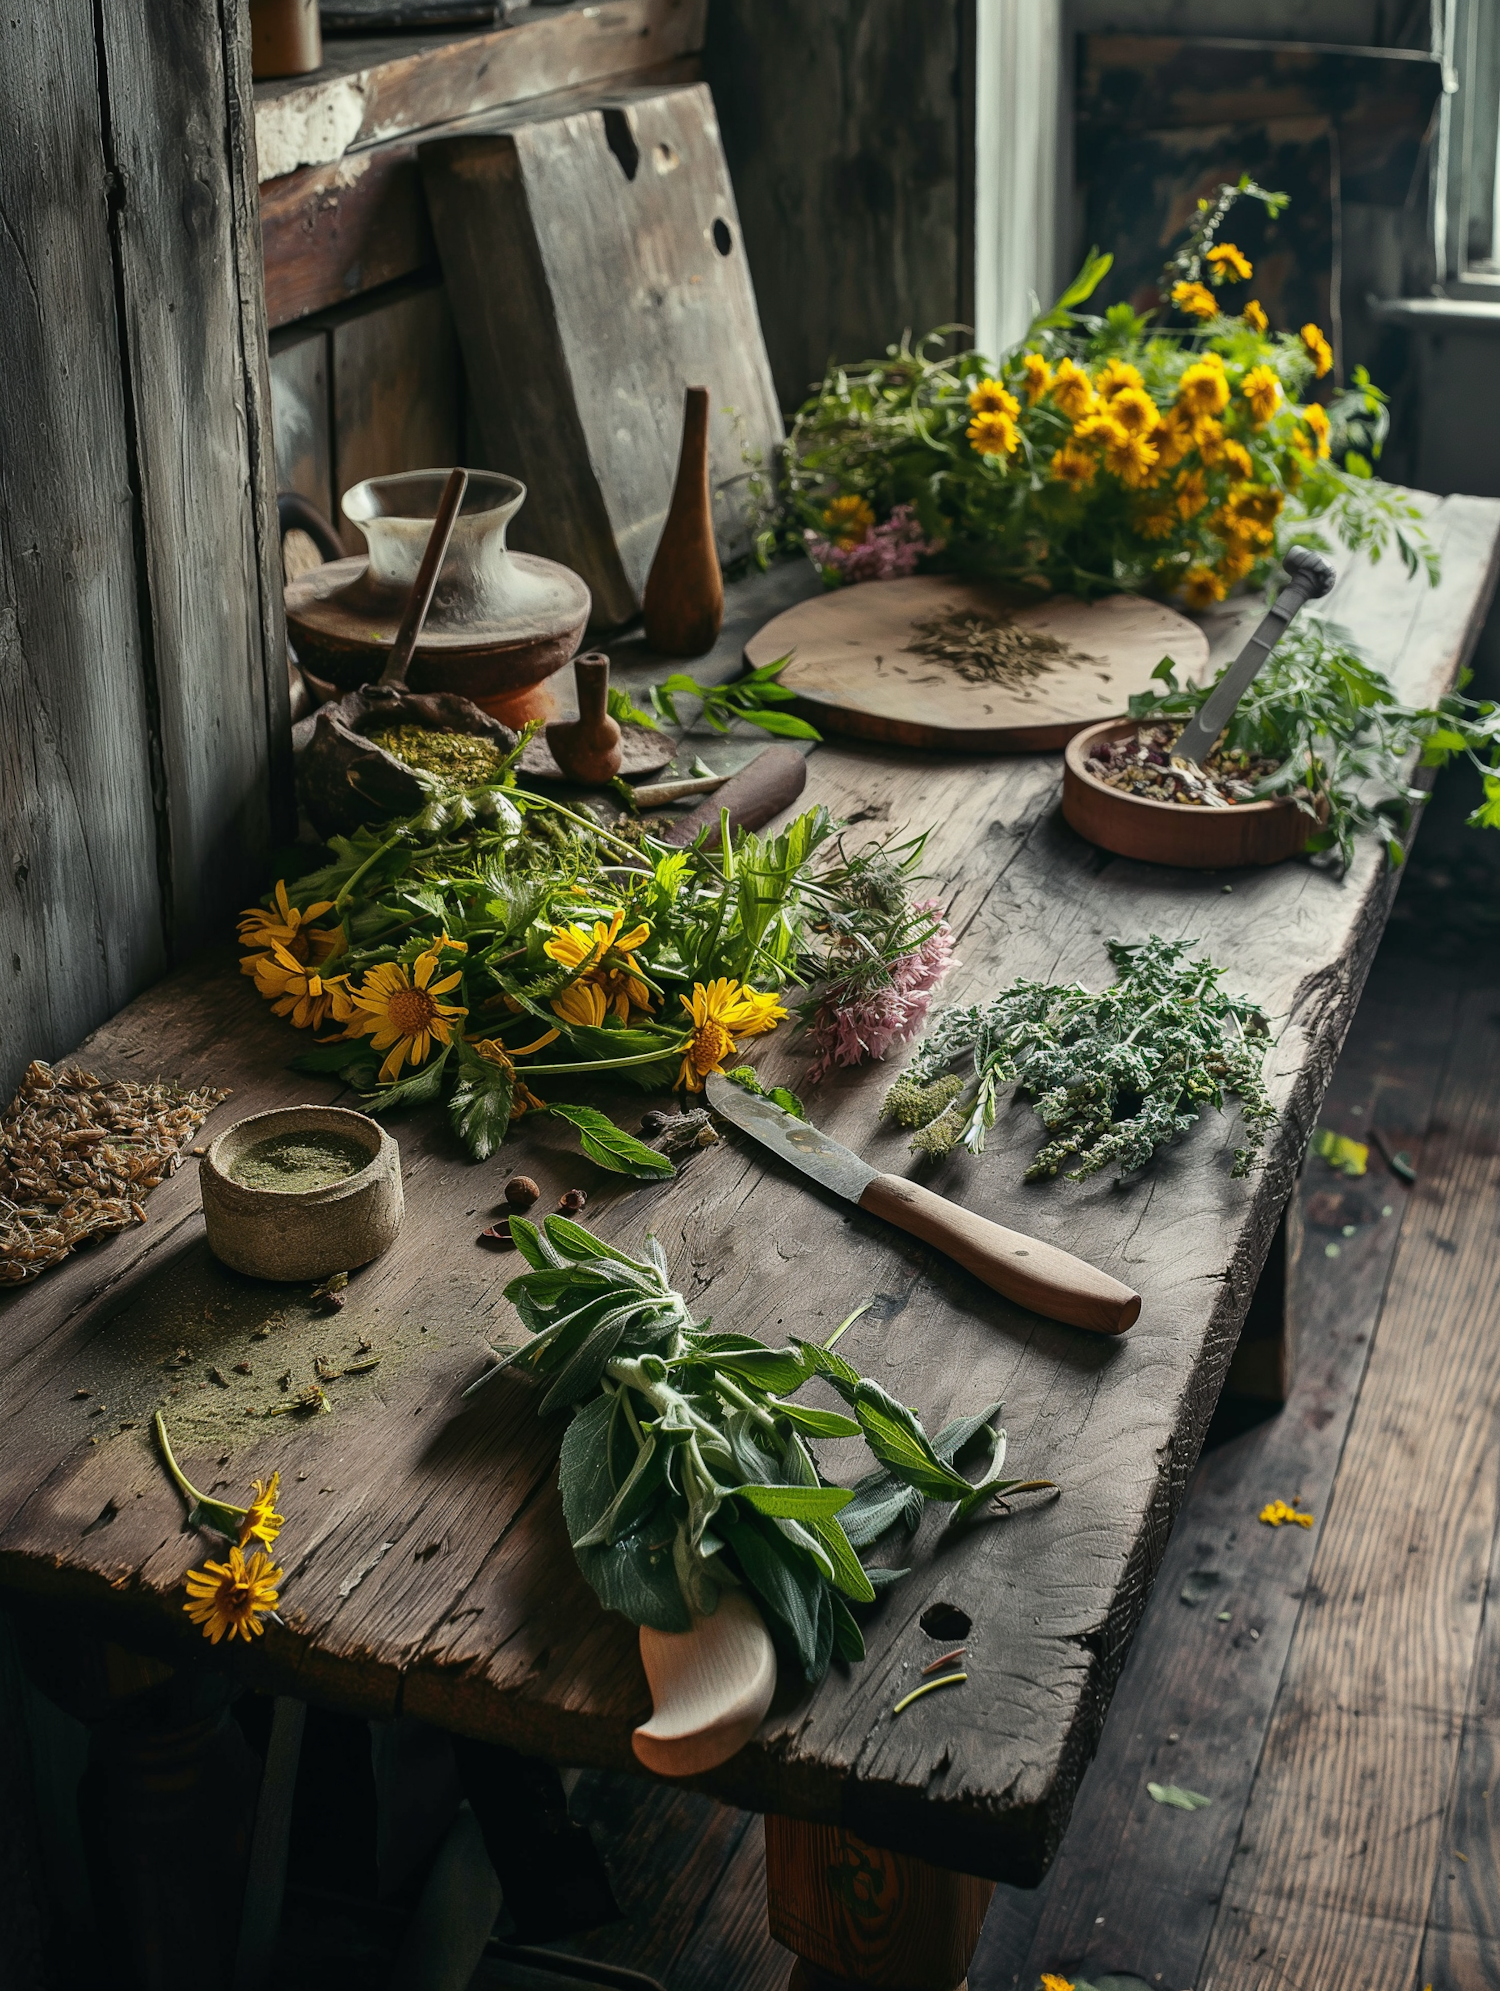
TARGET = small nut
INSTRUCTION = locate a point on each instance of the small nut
(521, 1192)
(572, 1201)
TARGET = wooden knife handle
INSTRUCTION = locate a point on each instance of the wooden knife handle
(1038, 1275)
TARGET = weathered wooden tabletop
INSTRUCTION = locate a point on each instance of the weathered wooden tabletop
(427, 1567)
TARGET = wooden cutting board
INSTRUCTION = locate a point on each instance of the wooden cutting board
(852, 667)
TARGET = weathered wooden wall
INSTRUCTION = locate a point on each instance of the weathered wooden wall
(847, 129)
(142, 692)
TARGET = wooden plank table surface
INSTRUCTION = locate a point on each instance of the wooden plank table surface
(427, 1569)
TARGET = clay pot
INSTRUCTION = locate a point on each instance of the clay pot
(1167, 832)
(309, 1233)
(344, 779)
(589, 748)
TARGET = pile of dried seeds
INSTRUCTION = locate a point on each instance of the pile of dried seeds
(1143, 765)
(991, 649)
(78, 1153)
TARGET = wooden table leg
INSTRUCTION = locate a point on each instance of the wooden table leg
(855, 1914)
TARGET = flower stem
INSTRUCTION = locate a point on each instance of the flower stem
(183, 1484)
(607, 1064)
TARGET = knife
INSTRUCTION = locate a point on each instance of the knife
(1037, 1275)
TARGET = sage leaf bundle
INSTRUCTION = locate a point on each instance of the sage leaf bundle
(686, 1468)
(1112, 1075)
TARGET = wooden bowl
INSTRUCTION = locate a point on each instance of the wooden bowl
(308, 1233)
(1167, 832)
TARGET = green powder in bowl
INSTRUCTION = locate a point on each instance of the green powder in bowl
(462, 759)
(296, 1162)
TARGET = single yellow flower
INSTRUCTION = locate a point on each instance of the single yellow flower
(1235, 564)
(262, 1523)
(1132, 459)
(230, 1598)
(1051, 1983)
(1135, 411)
(1195, 300)
(522, 1099)
(1254, 507)
(1192, 494)
(848, 520)
(1254, 317)
(1276, 1512)
(992, 433)
(1262, 391)
(1071, 465)
(992, 397)
(584, 1003)
(1202, 587)
(1115, 376)
(717, 1010)
(603, 958)
(1230, 264)
(261, 928)
(1072, 391)
(298, 991)
(1203, 390)
(1236, 456)
(1315, 420)
(400, 1013)
(1038, 376)
(1174, 437)
(1319, 350)
(1156, 522)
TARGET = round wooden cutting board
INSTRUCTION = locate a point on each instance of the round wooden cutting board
(852, 667)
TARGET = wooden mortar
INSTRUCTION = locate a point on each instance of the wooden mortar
(307, 1233)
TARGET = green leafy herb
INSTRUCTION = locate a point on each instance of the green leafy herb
(625, 713)
(1112, 1075)
(685, 1468)
(779, 1095)
(756, 698)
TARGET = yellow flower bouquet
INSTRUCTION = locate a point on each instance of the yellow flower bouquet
(1166, 453)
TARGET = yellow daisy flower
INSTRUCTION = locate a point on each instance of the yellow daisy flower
(1236, 456)
(1254, 317)
(1174, 438)
(1115, 376)
(1195, 300)
(573, 947)
(1203, 390)
(230, 1598)
(848, 521)
(1038, 376)
(992, 397)
(1202, 587)
(1236, 564)
(1157, 522)
(1319, 350)
(522, 1099)
(717, 1010)
(1052, 1983)
(1072, 391)
(1192, 494)
(262, 1523)
(583, 1003)
(263, 927)
(1230, 264)
(1315, 420)
(1262, 391)
(1132, 459)
(992, 433)
(1135, 411)
(400, 1013)
(298, 991)
(1071, 465)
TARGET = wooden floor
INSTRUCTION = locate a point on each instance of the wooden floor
(1329, 1689)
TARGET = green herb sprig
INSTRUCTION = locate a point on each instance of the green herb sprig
(1112, 1075)
(756, 698)
(686, 1470)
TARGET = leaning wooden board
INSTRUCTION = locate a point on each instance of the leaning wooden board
(853, 667)
(427, 1564)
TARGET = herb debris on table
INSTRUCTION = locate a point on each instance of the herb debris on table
(685, 1468)
(1112, 1075)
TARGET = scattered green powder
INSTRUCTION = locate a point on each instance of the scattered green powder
(464, 759)
(294, 1162)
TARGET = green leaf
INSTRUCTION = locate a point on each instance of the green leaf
(787, 1100)
(635, 1576)
(795, 1503)
(816, 1423)
(786, 1583)
(480, 1104)
(1174, 1794)
(848, 1570)
(611, 1147)
(898, 1441)
(784, 725)
(417, 1090)
(848, 1639)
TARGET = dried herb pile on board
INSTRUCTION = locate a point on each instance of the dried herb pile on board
(77, 1155)
(992, 649)
(1112, 1075)
(686, 1469)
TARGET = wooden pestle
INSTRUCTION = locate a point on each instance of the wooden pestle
(588, 748)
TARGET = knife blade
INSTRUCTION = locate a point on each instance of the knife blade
(1037, 1275)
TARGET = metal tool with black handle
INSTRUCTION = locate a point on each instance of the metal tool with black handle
(1311, 577)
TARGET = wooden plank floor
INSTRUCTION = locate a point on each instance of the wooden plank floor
(1334, 1690)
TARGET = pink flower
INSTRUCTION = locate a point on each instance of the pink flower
(886, 553)
(857, 1020)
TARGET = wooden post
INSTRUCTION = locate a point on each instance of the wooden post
(855, 1914)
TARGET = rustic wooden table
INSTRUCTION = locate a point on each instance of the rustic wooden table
(427, 1566)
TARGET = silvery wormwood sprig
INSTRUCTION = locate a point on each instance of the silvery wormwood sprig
(1112, 1075)
(686, 1468)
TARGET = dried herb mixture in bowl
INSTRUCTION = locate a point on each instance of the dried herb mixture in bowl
(1143, 765)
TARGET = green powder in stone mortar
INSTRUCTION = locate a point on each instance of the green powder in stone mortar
(293, 1162)
(464, 759)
